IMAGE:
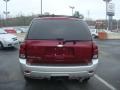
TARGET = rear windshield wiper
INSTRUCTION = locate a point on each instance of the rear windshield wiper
(61, 40)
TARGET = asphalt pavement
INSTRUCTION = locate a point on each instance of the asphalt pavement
(107, 76)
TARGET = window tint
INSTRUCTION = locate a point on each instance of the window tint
(68, 29)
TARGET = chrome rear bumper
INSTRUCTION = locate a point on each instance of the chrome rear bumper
(51, 71)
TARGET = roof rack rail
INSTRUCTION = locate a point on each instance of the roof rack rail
(53, 15)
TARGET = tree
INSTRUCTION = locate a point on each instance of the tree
(78, 15)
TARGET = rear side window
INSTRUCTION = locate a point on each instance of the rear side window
(67, 29)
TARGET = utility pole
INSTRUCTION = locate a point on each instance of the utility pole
(6, 10)
(117, 25)
(41, 7)
(72, 7)
(88, 13)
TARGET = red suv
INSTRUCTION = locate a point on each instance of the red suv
(58, 46)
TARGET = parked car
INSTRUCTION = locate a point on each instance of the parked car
(58, 46)
(10, 30)
(7, 40)
(24, 30)
(21, 30)
(18, 30)
(94, 33)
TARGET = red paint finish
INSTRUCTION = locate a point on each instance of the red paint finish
(47, 52)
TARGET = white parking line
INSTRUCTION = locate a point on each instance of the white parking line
(105, 82)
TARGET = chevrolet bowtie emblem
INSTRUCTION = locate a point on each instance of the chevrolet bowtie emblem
(59, 45)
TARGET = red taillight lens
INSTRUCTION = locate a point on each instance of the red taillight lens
(95, 51)
(22, 51)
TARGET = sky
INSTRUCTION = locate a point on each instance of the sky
(96, 8)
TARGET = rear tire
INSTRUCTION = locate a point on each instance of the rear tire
(1, 45)
(28, 79)
(85, 80)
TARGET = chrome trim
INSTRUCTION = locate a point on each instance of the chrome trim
(48, 71)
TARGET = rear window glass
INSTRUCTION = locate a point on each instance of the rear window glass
(53, 29)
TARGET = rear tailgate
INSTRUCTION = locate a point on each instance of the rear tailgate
(48, 52)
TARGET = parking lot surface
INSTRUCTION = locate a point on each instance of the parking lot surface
(107, 76)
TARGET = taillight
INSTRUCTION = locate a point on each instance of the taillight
(95, 51)
(22, 51)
